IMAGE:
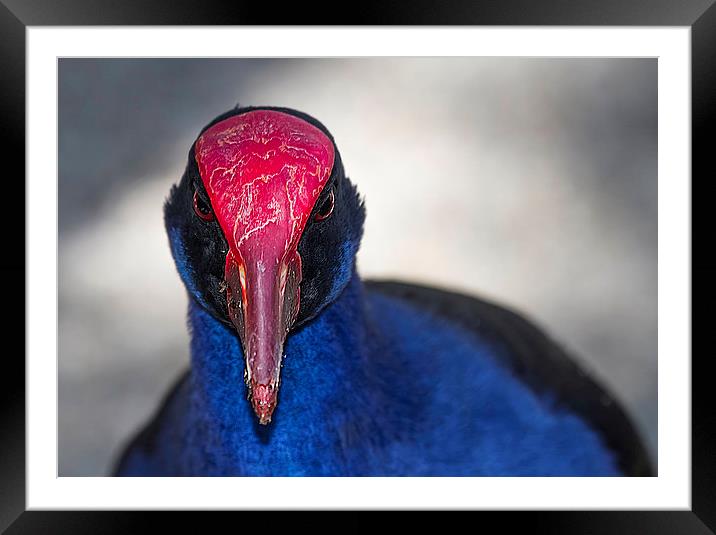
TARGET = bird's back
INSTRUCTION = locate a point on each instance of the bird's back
(502, 392)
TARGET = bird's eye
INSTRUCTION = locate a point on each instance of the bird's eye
(201, 208)
(326, 207)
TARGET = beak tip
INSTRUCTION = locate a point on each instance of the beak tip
(264, 414)
(263, 400)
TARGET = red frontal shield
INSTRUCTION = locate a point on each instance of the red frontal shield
(264, 171)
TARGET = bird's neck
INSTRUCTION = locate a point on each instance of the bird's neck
(330, 376)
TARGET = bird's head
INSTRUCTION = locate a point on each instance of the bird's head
(264, 227)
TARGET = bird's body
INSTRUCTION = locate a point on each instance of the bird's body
(380, 379)
(386, 395)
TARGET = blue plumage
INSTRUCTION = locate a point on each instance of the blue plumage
(371, 387)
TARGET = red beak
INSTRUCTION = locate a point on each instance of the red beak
(264, 171)
(263, 299)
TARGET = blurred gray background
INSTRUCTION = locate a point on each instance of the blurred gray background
(532, 182)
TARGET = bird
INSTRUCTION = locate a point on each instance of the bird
(299, 367)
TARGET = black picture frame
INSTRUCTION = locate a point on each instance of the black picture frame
(16, 15)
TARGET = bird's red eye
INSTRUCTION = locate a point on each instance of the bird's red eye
(202, 208)
(326, 207)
